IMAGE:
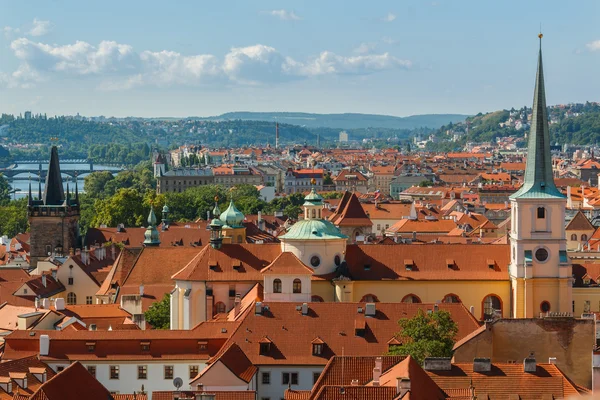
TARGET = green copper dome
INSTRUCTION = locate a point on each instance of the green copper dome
(165, 209)
(313, 229)
(313, 197)
(232, 217)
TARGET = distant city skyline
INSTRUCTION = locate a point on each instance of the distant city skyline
(156, 59)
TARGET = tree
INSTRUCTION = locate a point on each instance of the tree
(5, 190)
(14, 218)
(95, 184)
(125, 207)
(426, 335)
(159, 313)
(425, 183)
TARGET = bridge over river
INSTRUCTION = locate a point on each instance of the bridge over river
(23, 170)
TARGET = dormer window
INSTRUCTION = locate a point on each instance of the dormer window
(145, 346)
(91, 346)
(541, 212)
(265, 346)
(317, 349)
(202, 346)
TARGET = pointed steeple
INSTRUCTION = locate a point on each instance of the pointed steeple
(40, 184)
(54, 194)
(151, 235)
(539, 180)
(76, 190)
(30, 198)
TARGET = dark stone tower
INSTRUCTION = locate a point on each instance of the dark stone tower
(53, 218)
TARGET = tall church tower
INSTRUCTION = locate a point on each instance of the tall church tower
(540, 270)
(53, 217)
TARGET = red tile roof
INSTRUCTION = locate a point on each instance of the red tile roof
(219, 395)
(287, 264)
(350, 212)
(73, 383)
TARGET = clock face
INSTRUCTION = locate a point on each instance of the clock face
(541, 254)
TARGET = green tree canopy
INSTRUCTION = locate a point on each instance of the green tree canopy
(5, 190)
(426, 335)
(159, 314)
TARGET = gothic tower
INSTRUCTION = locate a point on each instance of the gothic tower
(540, 270)
(53, 217)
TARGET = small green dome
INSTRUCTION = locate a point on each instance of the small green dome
(165, 209)
(151, 236)
(313, 197)
(215, 223)
(313, 229)
(152, 218)
(232, 216)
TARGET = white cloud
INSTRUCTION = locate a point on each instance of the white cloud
(389, 17)
(40, 27)
(328, 63)
(365, 48)
(593, 46)
(9, 31)
(284, 15)
(119, 67)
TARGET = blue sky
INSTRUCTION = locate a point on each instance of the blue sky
(402, 57)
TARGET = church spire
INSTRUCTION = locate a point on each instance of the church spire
(54, 194)
(539, 180)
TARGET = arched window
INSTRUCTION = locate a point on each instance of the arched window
(451, 298)
(277, 286)
(545, 306)
(369, 298)
(573, 237)
(71, 298)
(584, 238)
(316, 299)
(491, 304)
(297, 286)
(220, 308)
(541, 213)
(411, 298)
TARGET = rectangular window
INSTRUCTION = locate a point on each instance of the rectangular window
(168, 372)
(60, 369)
(378, 227)
(289, 378)
(266, 378)
(114, 372)
(70, 281)
(92, 370)
(193, 371)
(316, 376)
(142, 372)
(88, 300)
(91, 346)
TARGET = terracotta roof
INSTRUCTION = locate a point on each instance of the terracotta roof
(287, 264)
(507, 379)
(408, 226)
(347, 175)
(291, 394)
(73, 383)
(291, 333)
(51, 287)
(219, 395)
(191, 234)
(218, 265)
(136, 396)
(580, 223)
(235, 360)
(122, 344)
(350, 212)
(24, 366)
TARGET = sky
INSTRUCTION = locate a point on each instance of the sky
(201, 58)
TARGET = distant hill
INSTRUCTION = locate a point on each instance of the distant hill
(346, 121)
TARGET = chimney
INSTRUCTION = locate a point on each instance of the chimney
(304, 308)
(414, 236)
(402, 386)
(44, 283)
(54, 272)
(45, 303)
(37, 303)
(529, 364)
(437, 364)
(472, 310)
(552, 360)
(370, 309)
(77, 252)
(237, 304)
(482, 364)
(59, 304)
(142, 290)
(44, 345)
(377, 371)
(258, 308)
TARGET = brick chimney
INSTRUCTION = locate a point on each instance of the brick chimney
(402, 386)
(377, 371)
(482, 364)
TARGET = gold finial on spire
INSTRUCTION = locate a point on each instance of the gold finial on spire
(541, 35)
